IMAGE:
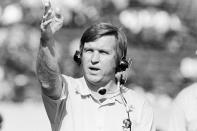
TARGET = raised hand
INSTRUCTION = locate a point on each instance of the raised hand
(52, 20)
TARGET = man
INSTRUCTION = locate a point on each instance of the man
(184, 115)
(184, 111)
(98, 101)
(1, 122)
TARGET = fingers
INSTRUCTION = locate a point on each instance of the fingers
(47, 11)
(47, 16)
(59, 17)
(47, 6)
(52, 18)
(45, 24)
(57, 13)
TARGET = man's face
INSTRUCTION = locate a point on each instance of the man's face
(99, 60)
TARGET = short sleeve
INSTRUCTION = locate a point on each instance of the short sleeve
(177, 119)
(147, 118)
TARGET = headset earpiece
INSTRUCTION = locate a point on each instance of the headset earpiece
(77, 57)
(123, 65)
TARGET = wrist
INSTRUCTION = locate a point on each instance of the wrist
(46, 38)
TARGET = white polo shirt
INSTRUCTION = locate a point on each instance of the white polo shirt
(184, 111)
(79, 111)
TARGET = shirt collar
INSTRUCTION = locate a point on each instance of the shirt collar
(83, 89)
(116, 97)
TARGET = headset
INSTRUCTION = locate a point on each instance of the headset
(77, 57)
(122, 66)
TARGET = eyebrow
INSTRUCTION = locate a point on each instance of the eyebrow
(106, 50)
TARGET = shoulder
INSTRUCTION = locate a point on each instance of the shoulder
(186, 103)
(134, 97)
(187, 96)
(138, 101)
(187, 93)
(68, 78)
(76, 85)
(72, 80)
(72, 83)
(138, 105)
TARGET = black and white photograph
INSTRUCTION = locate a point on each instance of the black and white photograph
(98, 65)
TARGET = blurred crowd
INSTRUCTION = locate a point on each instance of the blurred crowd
(154, 28)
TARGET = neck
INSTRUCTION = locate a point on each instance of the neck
(109, 86)
(111, 90)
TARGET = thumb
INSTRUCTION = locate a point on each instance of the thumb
(58, 13)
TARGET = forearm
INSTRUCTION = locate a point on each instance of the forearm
(47, 64)
(47, 68)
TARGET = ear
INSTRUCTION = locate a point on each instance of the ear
(77, 57)
(122, 73)
(123, 64)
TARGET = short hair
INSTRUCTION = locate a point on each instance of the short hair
(97, 31)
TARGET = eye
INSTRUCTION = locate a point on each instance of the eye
(103, 52)
(88, 50)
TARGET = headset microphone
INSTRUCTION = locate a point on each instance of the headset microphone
(102, 91)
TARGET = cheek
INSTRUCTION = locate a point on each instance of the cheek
(83, 63)
(84, 59)
(110, 63)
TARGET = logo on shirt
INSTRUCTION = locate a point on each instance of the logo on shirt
(126, 125)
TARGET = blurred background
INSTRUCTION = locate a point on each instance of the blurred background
(161, 42)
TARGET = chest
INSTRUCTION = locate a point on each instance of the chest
(191, 114)
(84, 114)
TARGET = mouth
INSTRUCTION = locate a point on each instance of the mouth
(94, 69)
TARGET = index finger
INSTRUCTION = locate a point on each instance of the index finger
(47, 5)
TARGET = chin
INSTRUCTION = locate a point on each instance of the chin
(93, 79)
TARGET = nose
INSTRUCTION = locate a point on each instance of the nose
(95, 57)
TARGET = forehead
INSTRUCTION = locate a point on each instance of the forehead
(105, 42)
